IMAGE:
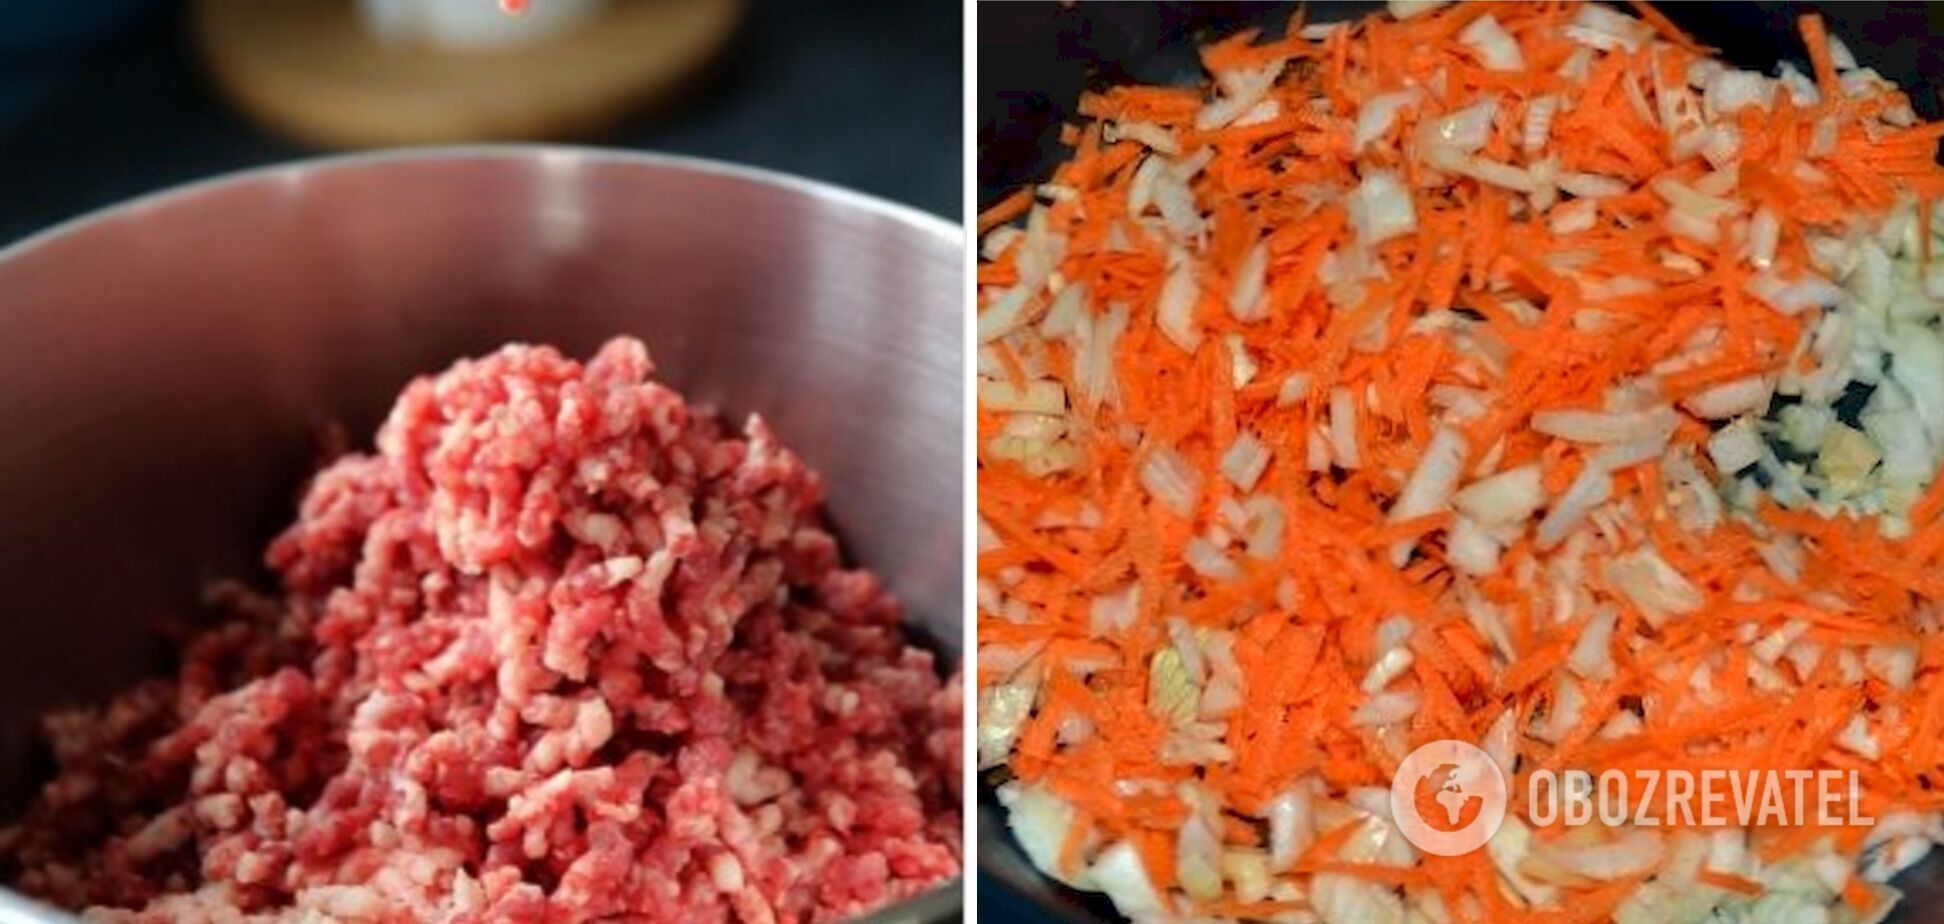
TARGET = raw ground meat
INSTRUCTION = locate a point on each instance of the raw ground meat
(564, 649)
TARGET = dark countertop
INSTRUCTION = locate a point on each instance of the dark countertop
(859, 93)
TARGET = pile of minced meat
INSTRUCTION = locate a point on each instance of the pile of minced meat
(565, 649)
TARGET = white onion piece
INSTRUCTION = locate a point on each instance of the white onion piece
(1592, 185)
(1466, 130)
(1380, 208)
(1208, 561)
(1378, 114)
(1730, 90)
(1174, 308)
(1146, 133)
(1763, 231)
(1746, 395)
(1118, 871)
(1496, 48)
(1810, 291)
(1430, 486)
(1042, 396)
(1244, 461)
(1598, 26)
(1168, 478)
(1292, 827)
(1343, 428)
(1405, 9)
(1591, 656)
(1510, 496)
(1538, 123)
(1385, 709)
(1735, 447)
(1248, 297)
(1582, 426)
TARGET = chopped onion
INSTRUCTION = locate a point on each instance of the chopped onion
(1600, 27)
(1294, 386)
(1592, 488)
(1654, 586)
(1068, 310)
(1467, 129)
(1242, 366)
(1735, 447)
(1540, 111)
(1917, 364)
(1005, 314)
(1802, 90)
(1003, 710)
(1140, 189)
(1689, 201)
(1895, 664)
(1244, 461)
(1118, 871)
(1763, 231)
(1198, 859)
(1822, 138)
(1316, 446)
(998, 240)
(1839, 54)
(1496, 48)
(1176, 202)
(1511, 496)
(1810, 291)
(1573, 217)
(1247, 298)
(1405, 9)
(1147, 133)
(1039, 821)
(1265, 534)
(1114, 612)
(1378, 114)
(1041, 396)
(1633, 853)
(1343, 428)
(1591, 656)
(1385, 709)
(1171, 481)
(1292, 827)
(1380, 208)
(1208, 561)
(1469, 548)
(1174, 309)
(1244, 88)
(1746, 395)
(1484, 170)
(1721, 145)
(1730, 90)
(1582, 426)
(1093, 361)
(1429, 488)
(1592, 185)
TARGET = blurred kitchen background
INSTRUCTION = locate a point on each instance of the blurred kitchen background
(101, 100)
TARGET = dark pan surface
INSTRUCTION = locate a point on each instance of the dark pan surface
(1036, 58)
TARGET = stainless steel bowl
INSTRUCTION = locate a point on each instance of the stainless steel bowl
(166, 364)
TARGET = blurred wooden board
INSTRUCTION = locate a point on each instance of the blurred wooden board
(308, 68)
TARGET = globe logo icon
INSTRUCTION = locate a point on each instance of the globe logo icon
(1448, 797)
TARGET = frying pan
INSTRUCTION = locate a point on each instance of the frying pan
(1036, 58)
(166, 364)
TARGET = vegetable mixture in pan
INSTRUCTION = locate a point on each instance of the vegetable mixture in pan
(1515, 374)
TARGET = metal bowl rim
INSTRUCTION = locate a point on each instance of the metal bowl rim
(925, 223)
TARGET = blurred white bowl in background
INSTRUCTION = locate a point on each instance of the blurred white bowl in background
(471, 25)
